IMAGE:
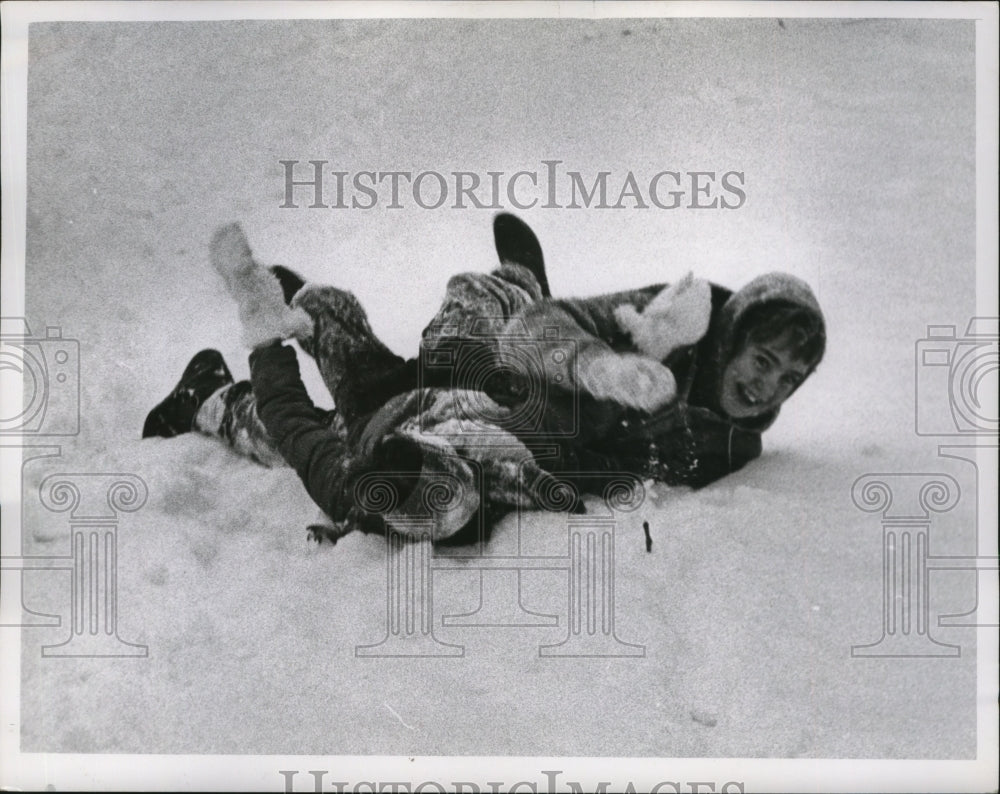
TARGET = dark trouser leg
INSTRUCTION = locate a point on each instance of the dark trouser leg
(358, 369)
(360, 372)
(478, 306)
(230, 414)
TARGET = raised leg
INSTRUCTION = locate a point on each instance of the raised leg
(478, 306)
(358, 369)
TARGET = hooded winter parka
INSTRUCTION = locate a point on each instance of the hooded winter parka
(691, 441)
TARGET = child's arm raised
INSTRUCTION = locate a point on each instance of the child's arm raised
(299, 429)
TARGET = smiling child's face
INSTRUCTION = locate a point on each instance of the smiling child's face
(760, 378)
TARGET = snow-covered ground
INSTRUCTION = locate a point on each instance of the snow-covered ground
(857, 142)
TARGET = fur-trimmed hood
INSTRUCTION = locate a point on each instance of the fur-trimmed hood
(723, 337)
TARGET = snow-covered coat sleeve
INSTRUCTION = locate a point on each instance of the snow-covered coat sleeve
(300, 430)
(681, 445)
(604, 363)
(701, 448)
(592, 421)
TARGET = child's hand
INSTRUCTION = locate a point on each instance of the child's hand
(678, 316)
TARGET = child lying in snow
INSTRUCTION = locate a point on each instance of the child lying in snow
(650, 392)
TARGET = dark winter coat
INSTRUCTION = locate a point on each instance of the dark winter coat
(690, 442)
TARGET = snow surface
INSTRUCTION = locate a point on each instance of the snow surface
(857, 141)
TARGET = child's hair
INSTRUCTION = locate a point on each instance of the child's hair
(773, 319)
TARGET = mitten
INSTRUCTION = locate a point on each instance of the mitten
(678, 316)
(627, 379)
(257, 292)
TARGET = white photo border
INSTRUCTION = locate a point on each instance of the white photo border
(35, 771)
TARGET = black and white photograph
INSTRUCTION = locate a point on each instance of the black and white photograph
(495, 397)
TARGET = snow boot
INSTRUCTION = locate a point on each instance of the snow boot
(517, 245)
(204, 375)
